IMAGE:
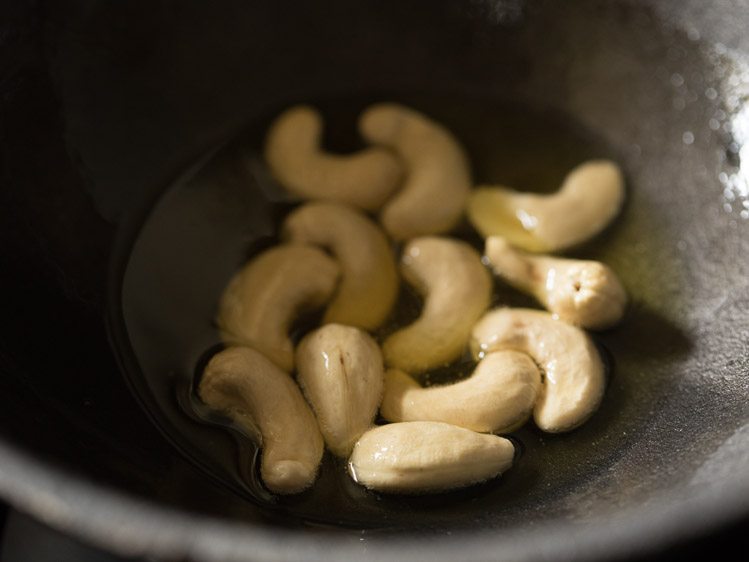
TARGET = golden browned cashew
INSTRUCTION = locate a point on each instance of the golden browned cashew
(582, 292)
(498, 397)
(266, 295)
(369, 280)
(456, 288)
(262, 399)
(293, 152)
(340, 371)
(438, 177)
(573, 372)
(420, 457)
(588, 200)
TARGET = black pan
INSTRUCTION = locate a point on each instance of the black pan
(131, 188)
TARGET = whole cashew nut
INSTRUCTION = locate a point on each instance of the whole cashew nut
(340, 371)
(259, 397)
(457, 290)
(590, 197)
(498, 397)
(369, 280)
(293, 152)
(266, 295)
(438, 179)
(581, 292)
(573, 372)
(420, 457)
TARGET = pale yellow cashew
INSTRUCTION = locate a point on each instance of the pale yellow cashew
(573, 372)
(369, 280)
(498, 397)
(242, 384)
(457, 290)
(294, 154)
(421, 457)
(438, 178)
(589, 199)
(340, 371)
(582, 292)
(264, 298)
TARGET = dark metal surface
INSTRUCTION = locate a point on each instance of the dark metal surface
(24, 539)
(103, 105)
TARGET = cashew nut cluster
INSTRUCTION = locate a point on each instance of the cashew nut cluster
(590, 197)
(292, 150)
(457, 290)
(581, 292)
(297, 393)
(438, 180)
(369, 279)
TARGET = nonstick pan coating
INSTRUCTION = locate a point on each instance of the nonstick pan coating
(106, 105)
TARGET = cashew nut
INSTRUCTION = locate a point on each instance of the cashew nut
(457, 290)
(438, 177)
(340, 371)
(369, 280)
(293, 152)
(419, 457)
(266, 295)
(260, 398)
(573, 372)
(581, 292)
(590, 197)
(498, 397)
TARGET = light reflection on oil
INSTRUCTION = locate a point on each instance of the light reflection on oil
(733, 73)
(736, 181)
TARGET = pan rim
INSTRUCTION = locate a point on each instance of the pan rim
(125, 524)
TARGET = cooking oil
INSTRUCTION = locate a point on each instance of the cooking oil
(209, 224)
